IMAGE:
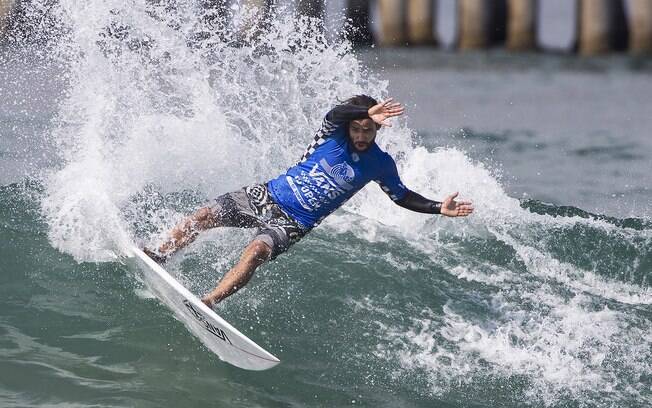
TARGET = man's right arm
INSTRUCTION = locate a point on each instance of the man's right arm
(346, 113)
(379, 113)
(392, 185)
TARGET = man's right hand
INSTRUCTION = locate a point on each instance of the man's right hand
(385, 110)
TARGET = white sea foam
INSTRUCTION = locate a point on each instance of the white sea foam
(579, 280)
(570, 351)
(147, 109)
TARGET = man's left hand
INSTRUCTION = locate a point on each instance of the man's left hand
(452, 208)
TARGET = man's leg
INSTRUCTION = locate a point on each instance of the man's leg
(254, 255)
(187, 230)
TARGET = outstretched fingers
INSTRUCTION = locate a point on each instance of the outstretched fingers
(453, 208)
(389, 105)
(385, 110)
(395, 112)
(464, 208)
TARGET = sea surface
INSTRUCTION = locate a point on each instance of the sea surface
(117, 119)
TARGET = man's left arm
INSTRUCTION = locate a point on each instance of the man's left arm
(391, 184)
(449, 207)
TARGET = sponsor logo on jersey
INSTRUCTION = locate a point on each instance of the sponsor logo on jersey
(342, 172)
(321, 184)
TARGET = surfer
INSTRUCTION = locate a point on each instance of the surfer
(342, 159)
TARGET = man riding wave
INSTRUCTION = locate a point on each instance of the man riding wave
(340, 161)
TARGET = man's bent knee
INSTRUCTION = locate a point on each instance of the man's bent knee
(260, 250)
(204, 218)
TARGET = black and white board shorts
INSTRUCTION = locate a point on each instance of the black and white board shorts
(252, 207)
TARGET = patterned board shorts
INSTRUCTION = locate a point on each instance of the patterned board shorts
(252, 207)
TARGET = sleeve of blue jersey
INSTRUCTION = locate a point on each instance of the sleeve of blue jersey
(346, 113)
(390, 182)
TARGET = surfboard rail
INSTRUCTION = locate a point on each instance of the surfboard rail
(227, 342)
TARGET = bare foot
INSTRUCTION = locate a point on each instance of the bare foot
(208, 301)
(159, 259)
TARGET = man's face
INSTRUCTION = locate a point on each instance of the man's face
(362, 133)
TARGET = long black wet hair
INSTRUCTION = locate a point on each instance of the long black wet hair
(363, 100)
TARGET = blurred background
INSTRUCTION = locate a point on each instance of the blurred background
(586, 27)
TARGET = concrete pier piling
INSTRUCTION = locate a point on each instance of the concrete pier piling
(358, 29)
(215, 18)
(498, 22)
(420, 17)
(311, 8)
(392, 23)
(640, 28)
(6, 7)
(263, 11)
(602, 26)
(474, 24)
(258, 23)
(522, 25)
(259, 4)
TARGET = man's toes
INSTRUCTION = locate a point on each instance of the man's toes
(159, 259)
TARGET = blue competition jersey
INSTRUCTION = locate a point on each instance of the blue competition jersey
(332, 171)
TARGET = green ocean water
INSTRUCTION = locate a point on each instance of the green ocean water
(131, 119)
(354, 322)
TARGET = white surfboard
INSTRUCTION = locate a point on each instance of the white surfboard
(219, 336)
